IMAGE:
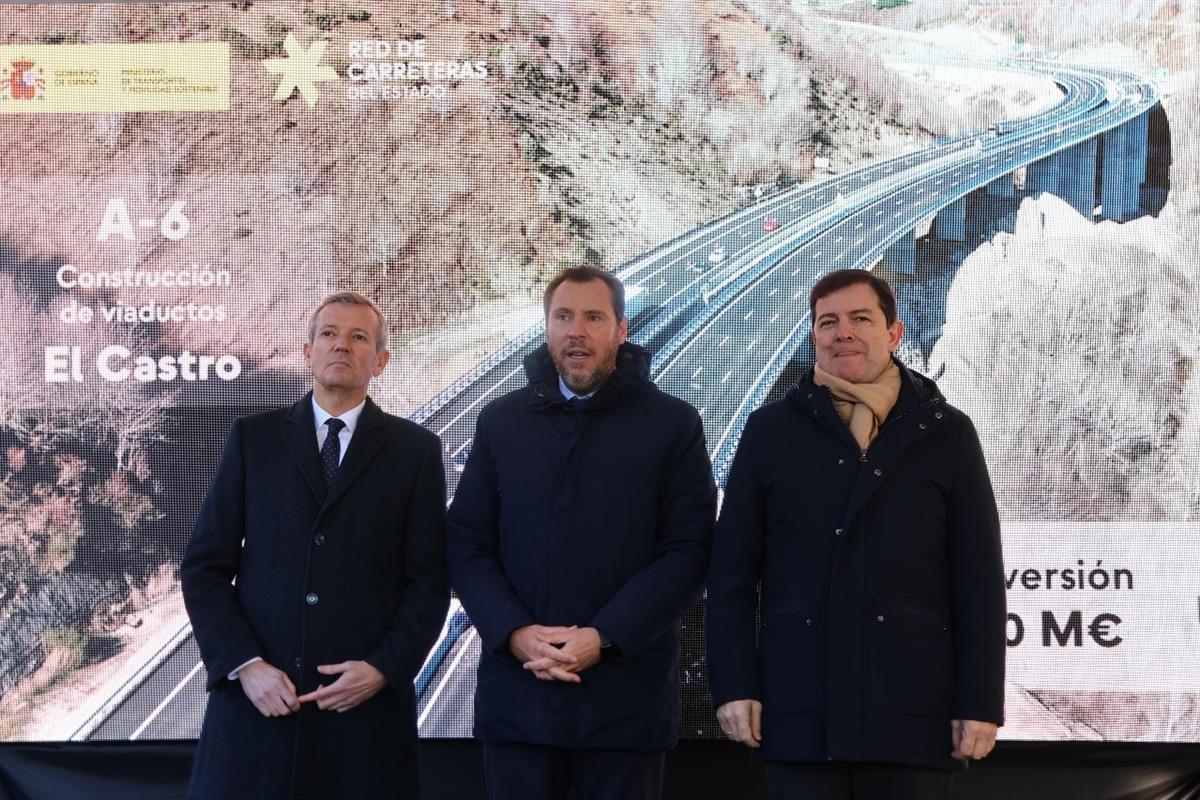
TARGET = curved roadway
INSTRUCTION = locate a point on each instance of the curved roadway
(722, 334)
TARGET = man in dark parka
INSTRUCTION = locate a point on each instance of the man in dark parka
(315, 581)
(578, 536)
(861, 502)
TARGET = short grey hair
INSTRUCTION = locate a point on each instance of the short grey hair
(352, 299)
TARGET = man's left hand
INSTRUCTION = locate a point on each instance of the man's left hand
(971, 738)
(359, 682)
(582, 643)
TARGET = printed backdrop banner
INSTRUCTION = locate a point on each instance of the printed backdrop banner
(184, 182)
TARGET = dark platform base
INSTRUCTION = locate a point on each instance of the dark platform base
(695, 771)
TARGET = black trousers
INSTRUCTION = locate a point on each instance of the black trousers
(789, 780)
(535, 772)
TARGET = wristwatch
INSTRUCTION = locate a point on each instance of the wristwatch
(608, 650)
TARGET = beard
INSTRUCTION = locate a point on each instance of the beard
(582, 383)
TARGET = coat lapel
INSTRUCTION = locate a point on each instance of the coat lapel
(301, 440)
(364, 444)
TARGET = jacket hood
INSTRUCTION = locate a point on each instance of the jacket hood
(631, 377)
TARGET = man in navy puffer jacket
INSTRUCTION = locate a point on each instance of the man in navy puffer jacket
(578, 536)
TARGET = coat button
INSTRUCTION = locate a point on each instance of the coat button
(808, 620)
(841, 461)
(879, 618)
(810, 395)
(878, 472)
(298, 662)
(319, 539)
(312, 599)
(921, 426)
(837, 531)
(938, 415)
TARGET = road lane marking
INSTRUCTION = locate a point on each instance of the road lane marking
(723, 341)
(697, 372)
(471, 634)
(479, 399)
(726, 378)
(166, 701)
(750, 346)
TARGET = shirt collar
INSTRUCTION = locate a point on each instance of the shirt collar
(349, 417)
(568, 394)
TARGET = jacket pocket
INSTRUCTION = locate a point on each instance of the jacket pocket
(790, 653)
(911, 661)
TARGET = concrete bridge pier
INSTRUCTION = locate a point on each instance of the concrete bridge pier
(1115, 174)
(1042, 176)
(1139, 139)
(1077, 177)
(901, 257)
(984, 212)
(1124, 169)
(950, 224)
(1002, 187)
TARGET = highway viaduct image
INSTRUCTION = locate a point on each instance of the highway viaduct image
(723, 308)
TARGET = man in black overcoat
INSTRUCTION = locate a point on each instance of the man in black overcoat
(860, 506)
(315, 581)
(578, 537)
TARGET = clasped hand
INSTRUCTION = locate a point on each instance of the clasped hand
(556, 653)
(274, 694)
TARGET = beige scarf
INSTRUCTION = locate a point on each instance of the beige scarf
(862, 406)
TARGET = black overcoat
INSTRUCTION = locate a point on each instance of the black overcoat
(601, 517)
(355, 573)
(882, 606)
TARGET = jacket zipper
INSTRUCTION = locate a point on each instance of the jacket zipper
(862, 454)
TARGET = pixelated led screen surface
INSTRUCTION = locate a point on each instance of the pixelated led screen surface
(183, 182)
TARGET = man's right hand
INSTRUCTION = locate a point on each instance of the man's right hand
(741, 720)
(530, 643)
(269, 689)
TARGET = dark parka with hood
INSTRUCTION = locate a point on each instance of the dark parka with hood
(600, 517)
(883, 608)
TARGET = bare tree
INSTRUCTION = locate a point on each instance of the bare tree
(119, 414)
(571, 33)
(173, 146)
(106, 26)
(681, 64)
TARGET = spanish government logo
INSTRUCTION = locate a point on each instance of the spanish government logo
(22, 80)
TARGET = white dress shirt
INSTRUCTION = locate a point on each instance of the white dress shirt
(349, 417)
